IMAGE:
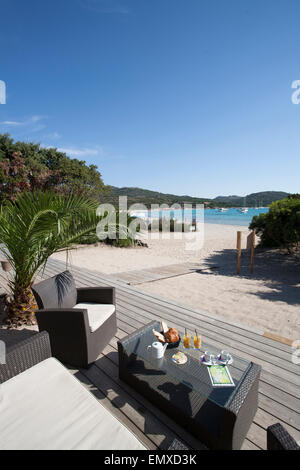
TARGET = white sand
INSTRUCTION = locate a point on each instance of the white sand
(269, 300)
(160, 252)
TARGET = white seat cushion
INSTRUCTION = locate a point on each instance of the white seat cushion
(97, 313)
(45, 407)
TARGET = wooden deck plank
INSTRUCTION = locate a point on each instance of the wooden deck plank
(273, 376)
(279, 389)
(213, 339)
(274, 343)
(266, 376)
(196, 322)
(136, 277)
(134, 307)
(242, 330)
(226, 327)
(280, 396)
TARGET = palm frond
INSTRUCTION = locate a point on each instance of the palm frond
(39, 224)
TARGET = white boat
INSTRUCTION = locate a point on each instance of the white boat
(223, 209)
(244, 210)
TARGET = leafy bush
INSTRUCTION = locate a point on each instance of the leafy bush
(123, 236)
(25, 166)
(130, 240)
(280, 227)
(174, 226)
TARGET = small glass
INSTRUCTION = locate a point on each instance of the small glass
(187, 341)
(197, 342)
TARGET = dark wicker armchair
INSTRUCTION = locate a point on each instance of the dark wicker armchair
(79, 321)
(279, 439)
(26, 354)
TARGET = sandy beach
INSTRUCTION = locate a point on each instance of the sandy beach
(268, 300)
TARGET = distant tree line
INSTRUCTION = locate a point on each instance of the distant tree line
(26, 166)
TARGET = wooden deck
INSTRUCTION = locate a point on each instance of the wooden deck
(279, 392)
(140, 276)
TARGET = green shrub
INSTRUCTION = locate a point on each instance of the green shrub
(174, 226)
(280, 227)
(92, 238)
(123, 236)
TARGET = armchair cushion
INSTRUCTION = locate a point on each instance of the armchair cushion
(56, 292)
(47, 408)
(97, 313)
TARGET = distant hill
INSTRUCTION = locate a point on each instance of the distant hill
(264, 198)
(147, 197)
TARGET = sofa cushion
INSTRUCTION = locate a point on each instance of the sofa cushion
(46, 407)
(97, 313)
(56, 292)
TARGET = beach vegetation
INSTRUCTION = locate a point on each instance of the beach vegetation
(26, 166)
(117, 233)
(170, 225)
(280, 227)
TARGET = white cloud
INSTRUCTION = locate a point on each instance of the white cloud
(11, 123)
(52, 136)
(25, 122)
(81, 152)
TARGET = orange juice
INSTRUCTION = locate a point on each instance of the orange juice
(197, 342)
(187, 341)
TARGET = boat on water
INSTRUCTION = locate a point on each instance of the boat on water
(223, 209)
(243, 210)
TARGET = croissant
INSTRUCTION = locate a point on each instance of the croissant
(172, 336)
(159, 336)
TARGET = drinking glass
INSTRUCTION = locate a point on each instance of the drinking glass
(187, 341)
(197, 342)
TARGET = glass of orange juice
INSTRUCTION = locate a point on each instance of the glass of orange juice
(187, 340)
(197, 341)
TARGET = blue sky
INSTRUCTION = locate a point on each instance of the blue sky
(180, 96)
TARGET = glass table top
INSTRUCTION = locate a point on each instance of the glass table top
(193, 373)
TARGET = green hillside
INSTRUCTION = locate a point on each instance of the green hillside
(264, 198)
(147, 197)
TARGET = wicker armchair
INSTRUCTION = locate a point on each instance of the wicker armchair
(279, 439)
(24, 355)
(79, 321)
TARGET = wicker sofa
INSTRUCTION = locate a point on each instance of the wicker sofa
(279, 439)
(43, 406)
(80, 321)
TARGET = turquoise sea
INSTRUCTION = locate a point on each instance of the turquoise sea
(213, 216)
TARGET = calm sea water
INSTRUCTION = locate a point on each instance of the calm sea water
(214, 216)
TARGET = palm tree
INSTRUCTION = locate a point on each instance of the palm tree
(32, 228)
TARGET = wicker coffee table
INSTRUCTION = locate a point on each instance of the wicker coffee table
(219, 417)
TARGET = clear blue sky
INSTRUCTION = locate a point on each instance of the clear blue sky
(180, 96)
